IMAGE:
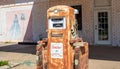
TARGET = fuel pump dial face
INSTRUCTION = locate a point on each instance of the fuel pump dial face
(57, 23)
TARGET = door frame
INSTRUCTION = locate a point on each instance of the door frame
(96, 41)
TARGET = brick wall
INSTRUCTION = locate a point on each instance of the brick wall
(115, 22)
(39, 15)
(39, 20)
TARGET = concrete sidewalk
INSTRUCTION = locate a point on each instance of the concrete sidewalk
(104, 57)
(101, 57)
(23, 54)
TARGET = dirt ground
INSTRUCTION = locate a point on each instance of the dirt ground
(101, 57)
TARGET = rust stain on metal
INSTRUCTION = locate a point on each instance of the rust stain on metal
(63, 49)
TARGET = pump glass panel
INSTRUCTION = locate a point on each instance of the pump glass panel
(57, 23)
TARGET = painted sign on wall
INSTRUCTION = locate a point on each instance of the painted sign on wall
(17, 24)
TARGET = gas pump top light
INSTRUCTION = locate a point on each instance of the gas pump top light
(56, 11)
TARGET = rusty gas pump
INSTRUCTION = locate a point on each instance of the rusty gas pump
(63, 49)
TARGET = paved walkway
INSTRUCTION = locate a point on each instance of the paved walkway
(104, 57)
(23, 54)
(101, 57)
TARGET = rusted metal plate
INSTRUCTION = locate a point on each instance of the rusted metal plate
(60, 54)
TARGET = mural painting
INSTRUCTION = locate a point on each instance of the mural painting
(15, 31)
(16, 24)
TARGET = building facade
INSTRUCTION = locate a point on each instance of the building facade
(25, 20)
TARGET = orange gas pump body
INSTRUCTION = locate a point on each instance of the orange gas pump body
(59, 50)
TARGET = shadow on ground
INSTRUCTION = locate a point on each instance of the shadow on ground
(19, 48)
(95, 52)
(104, 53)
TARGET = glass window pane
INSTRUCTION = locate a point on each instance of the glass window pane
(103, 26)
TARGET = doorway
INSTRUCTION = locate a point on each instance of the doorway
(102, 27)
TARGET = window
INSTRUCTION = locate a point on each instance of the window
(78, 16)
(103, 25)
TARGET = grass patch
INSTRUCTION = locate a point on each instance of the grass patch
(2, 63)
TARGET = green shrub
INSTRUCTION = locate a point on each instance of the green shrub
(2, 63)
